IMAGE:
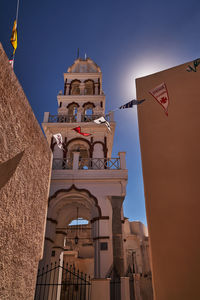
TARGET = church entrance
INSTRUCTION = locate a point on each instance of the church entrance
(72, 228)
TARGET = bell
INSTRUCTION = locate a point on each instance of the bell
(76, 239)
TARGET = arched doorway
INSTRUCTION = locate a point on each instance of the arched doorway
(78, 240)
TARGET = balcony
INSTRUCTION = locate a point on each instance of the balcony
(74, 118)
(90, 163)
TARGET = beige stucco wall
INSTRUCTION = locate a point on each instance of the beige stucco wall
(170, 149)
(25, 161)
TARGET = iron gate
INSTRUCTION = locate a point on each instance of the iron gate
(59, 282)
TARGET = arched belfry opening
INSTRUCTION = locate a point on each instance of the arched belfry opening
(75, 87)
(83, 148)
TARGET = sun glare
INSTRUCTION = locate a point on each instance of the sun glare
(144, 67)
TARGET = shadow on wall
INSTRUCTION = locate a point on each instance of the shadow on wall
(7, 169)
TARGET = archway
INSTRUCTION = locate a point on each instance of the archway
(61, 238)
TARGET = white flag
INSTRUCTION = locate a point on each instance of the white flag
(102, 120)
(58, 138)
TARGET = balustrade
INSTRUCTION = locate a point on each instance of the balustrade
(87, 164)
(74, 119)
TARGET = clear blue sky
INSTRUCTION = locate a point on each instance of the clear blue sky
(126, 38)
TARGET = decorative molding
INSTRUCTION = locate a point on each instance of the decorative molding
(88, 80)
(74, 103)
(80, 139)
(73, 187)
(88, 103)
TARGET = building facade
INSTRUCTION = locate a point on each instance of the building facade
(84, 176)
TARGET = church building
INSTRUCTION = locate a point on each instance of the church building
(88, 184)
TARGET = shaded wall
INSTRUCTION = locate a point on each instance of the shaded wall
(25, 161)
(170, 149)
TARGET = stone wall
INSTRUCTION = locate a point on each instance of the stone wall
(25, 166)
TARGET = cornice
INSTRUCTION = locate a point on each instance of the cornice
(79, 75)
(78, 98)
(92, 175)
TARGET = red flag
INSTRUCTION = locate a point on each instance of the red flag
(78, 129)
(160, 93)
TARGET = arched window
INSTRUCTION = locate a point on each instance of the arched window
(75, 87)
(88, 111)
(89, 87)
(72, 111)
(83, 149)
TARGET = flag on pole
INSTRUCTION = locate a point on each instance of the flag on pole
(160, 93)
(78, 130)
(13, 39)
(58, 138)
(131, 103)
(102, 120)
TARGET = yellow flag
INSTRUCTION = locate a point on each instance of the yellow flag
(13, 39)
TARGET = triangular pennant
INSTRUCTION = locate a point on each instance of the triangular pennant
(160, 93)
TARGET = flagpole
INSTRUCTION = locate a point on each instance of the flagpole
(17, 13)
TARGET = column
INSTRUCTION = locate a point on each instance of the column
(96, 88)
(118, 255)
(46, 117)
(122, 156)
(125, 289)
(75, 160)
(82, 88)
(67, 89)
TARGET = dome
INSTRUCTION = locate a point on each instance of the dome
(84, 66)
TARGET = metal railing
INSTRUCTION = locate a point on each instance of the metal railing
(62, 119)
(90, 118)
(87, 164)
(100, 163)
(62, 164)
(74, 118)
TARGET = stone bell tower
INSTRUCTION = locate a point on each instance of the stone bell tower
(84, 175)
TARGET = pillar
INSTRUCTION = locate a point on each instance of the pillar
(46, 117)
(125, 290)
(118, 253)
(82, 88)
(67, 86)
(96, 88)
(75, 160)
(122, 156)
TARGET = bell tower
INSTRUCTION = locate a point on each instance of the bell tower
(84, 174)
